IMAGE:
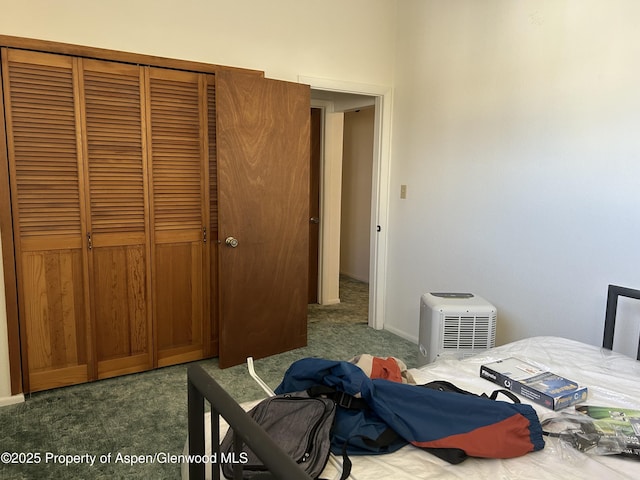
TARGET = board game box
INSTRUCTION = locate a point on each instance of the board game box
(540, 386)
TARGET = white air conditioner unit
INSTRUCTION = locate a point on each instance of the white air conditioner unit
(458, 324)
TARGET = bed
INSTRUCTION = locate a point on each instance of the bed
(612, 379)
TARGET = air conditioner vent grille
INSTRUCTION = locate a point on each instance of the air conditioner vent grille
(458, 325)
(468, 332)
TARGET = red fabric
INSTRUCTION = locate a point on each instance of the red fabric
(490, 441)
(386, 368)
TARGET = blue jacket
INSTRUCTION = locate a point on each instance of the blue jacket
(426, 418)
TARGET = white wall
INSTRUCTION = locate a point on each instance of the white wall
(516, 130)
(5, 381)
(350, 41)
(357, 170)
(330, 39)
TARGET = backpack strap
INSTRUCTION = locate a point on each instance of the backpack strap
(453, 456)
(385, 439)
(506, 393)
(344, 400)
(341, 399)
(444, 386)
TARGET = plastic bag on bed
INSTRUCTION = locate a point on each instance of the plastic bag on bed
(609, 433)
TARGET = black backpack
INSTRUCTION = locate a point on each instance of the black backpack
(300, 425)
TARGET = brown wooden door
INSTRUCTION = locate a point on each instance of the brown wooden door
(43, 138)
(117, 190)
(180, 211)
(263, 183)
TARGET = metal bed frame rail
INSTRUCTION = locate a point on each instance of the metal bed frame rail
(201, 387)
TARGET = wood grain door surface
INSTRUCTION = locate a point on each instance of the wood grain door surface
(179, 213)
(45, 163)
(263, 182)
(117, 201)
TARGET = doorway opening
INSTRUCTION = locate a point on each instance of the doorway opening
(353, 212)
(339, 102)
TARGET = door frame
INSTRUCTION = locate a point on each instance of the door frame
(379, 189)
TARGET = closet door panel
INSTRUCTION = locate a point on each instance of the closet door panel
(41, 111)
(179, 301)
(113, 112)
(178, 139)
(53, 285)
(122, 335)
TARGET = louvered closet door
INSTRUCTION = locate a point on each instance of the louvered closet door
(118, 229)
(179, 173)
(41, 109)
(213, 217)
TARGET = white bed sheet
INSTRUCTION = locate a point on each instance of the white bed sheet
(612, 379)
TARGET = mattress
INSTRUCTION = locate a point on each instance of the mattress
(612, 379)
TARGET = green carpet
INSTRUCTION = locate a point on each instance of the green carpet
(145, 414)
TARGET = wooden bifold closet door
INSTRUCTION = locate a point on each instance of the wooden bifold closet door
(109, 182)
(116, 199)
(178, 118)
(42, 115)
(125, 180)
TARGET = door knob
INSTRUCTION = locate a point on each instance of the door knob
(314, 220)
(231, 242)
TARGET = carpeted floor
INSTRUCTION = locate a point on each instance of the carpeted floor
(129, 418)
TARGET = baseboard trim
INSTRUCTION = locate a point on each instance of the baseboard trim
(5, 401)
(353, 276)
(402, 334)
(332, 301)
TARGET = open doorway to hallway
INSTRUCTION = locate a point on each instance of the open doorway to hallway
(344, 197)
(336, 97)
